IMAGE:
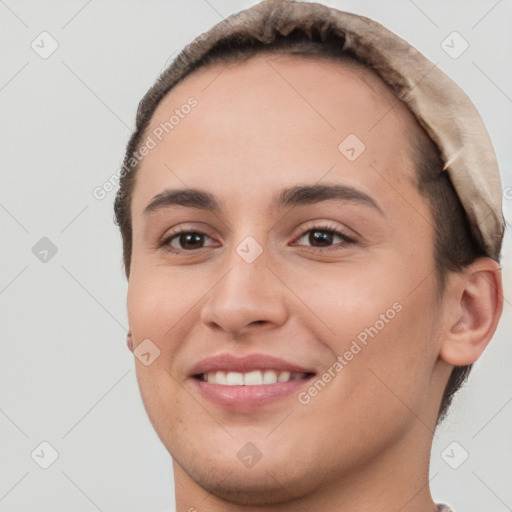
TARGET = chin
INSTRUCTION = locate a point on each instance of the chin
(268, 482)
(242, 487)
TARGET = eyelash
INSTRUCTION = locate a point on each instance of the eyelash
(165, 243)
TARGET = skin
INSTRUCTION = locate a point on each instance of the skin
(362, 443)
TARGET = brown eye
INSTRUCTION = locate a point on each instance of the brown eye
(190, 240)
(184, 241)
(323, 238)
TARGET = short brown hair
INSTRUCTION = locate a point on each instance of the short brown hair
(455, 245)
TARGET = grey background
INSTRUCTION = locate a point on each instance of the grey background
(66, 375)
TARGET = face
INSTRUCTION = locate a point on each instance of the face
(306, 258)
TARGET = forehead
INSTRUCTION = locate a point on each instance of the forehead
(330, 77)
(276, 119)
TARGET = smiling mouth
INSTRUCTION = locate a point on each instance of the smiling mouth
(252, 378)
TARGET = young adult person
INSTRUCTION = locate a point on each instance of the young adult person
(311, 222)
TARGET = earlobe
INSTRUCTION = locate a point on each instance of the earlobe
(479, 294)
(129, 340)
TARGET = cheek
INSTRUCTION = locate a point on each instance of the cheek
(162, 308)
(380, 321)
(154, 307)
(155, 303)
(351, 298)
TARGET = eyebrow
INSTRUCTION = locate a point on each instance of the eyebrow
(293, 196)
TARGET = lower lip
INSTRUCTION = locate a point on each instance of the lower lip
(248, 397)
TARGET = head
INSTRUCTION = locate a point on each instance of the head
(397, 297)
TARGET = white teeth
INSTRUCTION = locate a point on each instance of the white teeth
(269, 377)
(253, 378)
(219, 377)
(234, 379)
(283, 377)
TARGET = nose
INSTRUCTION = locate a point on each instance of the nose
(248, 296)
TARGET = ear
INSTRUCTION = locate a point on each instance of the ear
(476, 297)
(129, 340)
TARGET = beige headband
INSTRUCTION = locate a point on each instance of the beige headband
(440, 106)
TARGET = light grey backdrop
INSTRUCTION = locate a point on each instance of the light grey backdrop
(66, 377)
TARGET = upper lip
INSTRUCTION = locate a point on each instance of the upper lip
(230, 363)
